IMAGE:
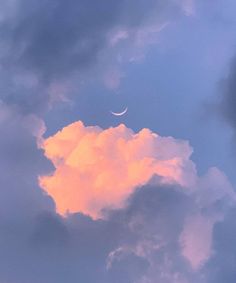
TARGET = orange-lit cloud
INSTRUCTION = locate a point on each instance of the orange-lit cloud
(97, 169)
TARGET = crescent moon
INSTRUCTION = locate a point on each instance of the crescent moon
(119, 113)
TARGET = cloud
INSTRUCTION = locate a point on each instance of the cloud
(197, 247)
(189, 7)
(146, 240)
(96, 169)
(99, 170)
(20, 163)
(139, 243)
(221, 267)
(228, 97)
(161, 222)
(174, 230)
(47, 43)
(213, 192)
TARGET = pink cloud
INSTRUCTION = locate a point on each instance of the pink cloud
(196, 237)
(196, 240)
(97, 169)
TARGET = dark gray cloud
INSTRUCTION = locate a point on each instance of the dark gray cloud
(46, 42)
(228, 96)
(20, 164)
(137, 244)
(222, 266)
(49, 248)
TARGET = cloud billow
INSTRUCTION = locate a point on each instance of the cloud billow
(89, 161)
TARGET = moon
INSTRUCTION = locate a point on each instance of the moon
(119, 113)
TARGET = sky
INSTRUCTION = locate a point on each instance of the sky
(143, 197)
